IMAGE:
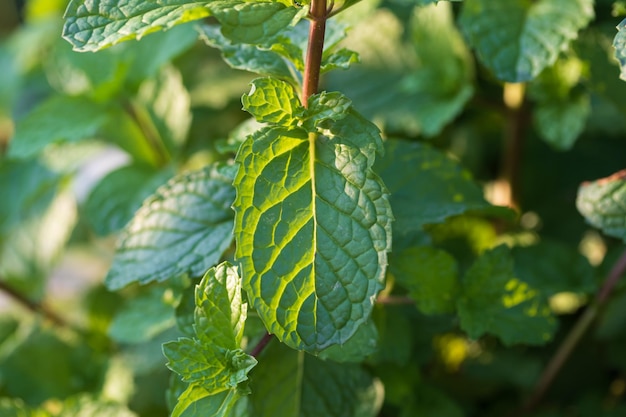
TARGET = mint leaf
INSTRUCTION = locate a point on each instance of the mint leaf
(363, 344)
(31, 188)
(288, 383)
(185, 227)
(341, 59)
(196, 401)
(619, 43)
(91, 26)
(325, 106)
(603, 203)
(212, 359)
(312, 225)
(493, 300)
(255, 23)
(112, 203)
(272, 101)
(560, 123)
(246, 57)
(430, 275)
(426, 187)
(530, 35)
(58, 119)
(145, 317)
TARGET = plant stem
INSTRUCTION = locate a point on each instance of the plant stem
(395, 300)
(32, 305)
(149, 131)
(575, 334)
(318, 14)
(256, 351)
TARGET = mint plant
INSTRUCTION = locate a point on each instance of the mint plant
(263, 177)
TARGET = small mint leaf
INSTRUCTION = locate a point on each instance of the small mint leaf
(272, 101)
(603, 203)
(324, 106)
(619, 43)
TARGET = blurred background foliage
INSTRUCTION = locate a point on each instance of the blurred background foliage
(167, 104)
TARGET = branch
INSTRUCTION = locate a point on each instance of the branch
(256, 351)
(319, 15)
(31, 305)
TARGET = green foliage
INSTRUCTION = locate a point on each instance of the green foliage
(146, 214)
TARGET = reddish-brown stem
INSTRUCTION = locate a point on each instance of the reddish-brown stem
(318, 14)
(256, 351)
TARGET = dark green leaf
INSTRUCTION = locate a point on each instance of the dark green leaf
(185, 227)
(493, 300)
(517, 39)
(603, 203)
(619, 43)
(90, 26)
(357, 348)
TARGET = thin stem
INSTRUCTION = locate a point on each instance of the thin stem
(149, 131)
(575, 334)
(395, 300)
(256, 351)
(318, 14)
(32, 305)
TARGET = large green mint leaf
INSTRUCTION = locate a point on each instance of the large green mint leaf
(517, 39)
(112, 203)
(493, 300)
(185, 227)
(58, 119)
(287, 383)
(254, 23)
(426, 186)
(312, 225)
(91, 25)
(220, 313)
(603, 203)
(272, 101)
(430, 275)
(28, 187)
(196, 401)
(212, 359)
(619, 43)
(246, 57)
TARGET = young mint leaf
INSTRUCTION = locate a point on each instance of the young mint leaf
(91, 26)
(220, 313)
(493, 300)
(185, 227)
(430, 275)
(288, 383)
(246, 57)
(530, 35)
(256, 23)
(331, 106)
(351, 126)
(312, 225)
(197, 401)
(58, 119)
(272, 101)
(603, 203)
(341, 59)
(212, 360)
(112, 203)
(426, 186)
(619, 43)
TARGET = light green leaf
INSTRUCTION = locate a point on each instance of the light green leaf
(28, 187)
(185, 227)
(517, 39)
(112, 203)
(90, 26)
(246, 57)
(426, 186)
(603, 203)
(430, 275)
(312, 225)
(58, 119)
(341, 59)
(143, 318)
(272, 101)
(619, 43)
(220, 314)
(325, 106)
(560, 123)
(493, 300)
(287, 383)
(196, 401)
(256, 23)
